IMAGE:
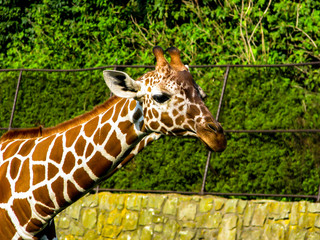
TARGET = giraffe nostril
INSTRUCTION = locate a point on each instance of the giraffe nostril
(212, 127)
(215, 127)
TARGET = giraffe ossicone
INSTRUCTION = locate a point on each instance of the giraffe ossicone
(44, 170)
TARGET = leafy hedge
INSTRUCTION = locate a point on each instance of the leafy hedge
(77, 34)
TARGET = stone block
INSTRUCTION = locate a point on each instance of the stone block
(314, 208)
(229, 221)
(170, 206)
(225, 234)
(188, 224)
(186, 234)
(240, 222)
(74, 210)
(64, 223)
(254, 234)
(184, 198)
(107, 201)
(307, 220)
(146, 233)
(120, 201)
(313, 236)
(101, 221)
(230, 206)
(206, 204)
(130, 221)
(158, 219)
(274, 210)
(69, 237)
(219, 203)
(158, 227)
(284, 211)
(274, 231)
(111, 231)
(157, 236)
(91, 235)
(156, 201)
(187, 211)
(146, 216)
(295, 214)
(127, 235)
(303, 206)
(248, 213)
(207, 234)
(171, 227)
(134, 202)
(260, 215)
(90, 200)
(76, 229)
(296, 233)
(115, 217)
(241, 206)
(209, 220)
(144, 201)
(89, 218)
(317, 221)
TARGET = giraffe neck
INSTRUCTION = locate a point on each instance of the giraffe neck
(64, 165)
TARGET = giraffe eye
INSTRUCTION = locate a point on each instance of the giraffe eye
(161, 98)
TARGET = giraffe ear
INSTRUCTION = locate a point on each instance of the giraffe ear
(121, 84)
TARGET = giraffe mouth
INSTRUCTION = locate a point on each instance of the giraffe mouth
(218, 145)
(183, 132)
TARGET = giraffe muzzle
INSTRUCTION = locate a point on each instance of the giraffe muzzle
(212, 135)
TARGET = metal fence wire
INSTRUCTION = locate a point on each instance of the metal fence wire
(209, 155)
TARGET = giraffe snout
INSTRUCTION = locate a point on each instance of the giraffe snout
(212, 135)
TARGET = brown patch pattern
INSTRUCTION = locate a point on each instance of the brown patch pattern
(41, 194)
(27, 147)
(12, 149)
(73, 133)
(80, 146)
(38, 173)
(56, 187)
(23, 183)
(89, 150)
(69, 163)
(5, 187)
(34, 225)
(99, 164)
(113, 146)
(22, 210)
(7, 229)
(52, 171)
(57, 150)
(14, 167)
(43, 210)
(91, 126)
(41, 149)
(83, 179)
(72, 191)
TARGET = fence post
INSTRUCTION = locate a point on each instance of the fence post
(217, 118)
(15, 100)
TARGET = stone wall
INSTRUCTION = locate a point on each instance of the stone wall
(172, 216)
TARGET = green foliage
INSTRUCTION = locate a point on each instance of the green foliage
(77, 34)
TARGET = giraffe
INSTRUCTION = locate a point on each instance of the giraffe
(44, 170)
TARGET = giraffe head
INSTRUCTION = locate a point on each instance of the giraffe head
(171, 101)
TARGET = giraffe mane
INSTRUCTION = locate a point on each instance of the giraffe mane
(27, 133)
